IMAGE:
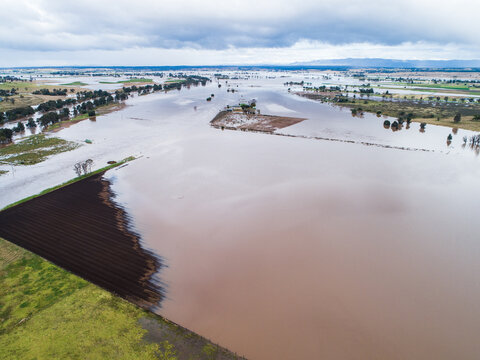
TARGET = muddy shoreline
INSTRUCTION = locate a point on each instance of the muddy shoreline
(81, 229)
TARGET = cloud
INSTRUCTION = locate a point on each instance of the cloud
(302, 51)
(119, 24)
(221, 28)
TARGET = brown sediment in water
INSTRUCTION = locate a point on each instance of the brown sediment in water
(79, 228)
(255, 122)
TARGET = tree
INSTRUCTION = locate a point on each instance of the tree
(65, 113)
(5, 135)
(476, 117)
(87, 166)
(19, 128)
(78, 169)
(457, 117)
(31, 123)
(83, 167)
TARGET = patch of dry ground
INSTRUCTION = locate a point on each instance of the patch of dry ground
(256, 122)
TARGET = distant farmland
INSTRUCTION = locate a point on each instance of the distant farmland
(80, 229)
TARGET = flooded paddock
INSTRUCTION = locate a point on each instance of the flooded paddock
(283, 247)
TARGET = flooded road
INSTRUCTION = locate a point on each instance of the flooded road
(293, 248)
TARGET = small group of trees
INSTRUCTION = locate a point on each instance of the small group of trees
(18, 113)
(19, 128)
(5, 135)
(55, 104)
(10, 92)
(83, 167)
(51, 92)
(474, 140)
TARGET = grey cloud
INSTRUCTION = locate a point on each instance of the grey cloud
(110, 25)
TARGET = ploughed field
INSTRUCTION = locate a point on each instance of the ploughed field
(79, 228)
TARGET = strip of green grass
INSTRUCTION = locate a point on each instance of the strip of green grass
(137, 80)
(439, 86)
(34, 149)
(75, 83)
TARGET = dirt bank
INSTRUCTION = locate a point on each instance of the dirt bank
(257, 122)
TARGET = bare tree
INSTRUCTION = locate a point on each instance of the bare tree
(87, 166)
(78, 169)
(84, 167)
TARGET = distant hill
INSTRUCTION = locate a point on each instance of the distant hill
(392, 63)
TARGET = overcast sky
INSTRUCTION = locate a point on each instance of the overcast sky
(211, 32)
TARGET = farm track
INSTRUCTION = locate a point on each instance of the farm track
(79, 228)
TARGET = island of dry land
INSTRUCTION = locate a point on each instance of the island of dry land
(252, 122)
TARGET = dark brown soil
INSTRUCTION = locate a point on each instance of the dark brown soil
(79, 228)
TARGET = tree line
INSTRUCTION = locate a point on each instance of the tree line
(51, 92)
(87, 101)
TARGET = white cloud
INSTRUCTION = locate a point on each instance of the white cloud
(246, 31)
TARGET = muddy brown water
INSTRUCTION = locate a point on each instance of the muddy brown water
(288, 248)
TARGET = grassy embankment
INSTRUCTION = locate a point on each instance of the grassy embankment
(75, 83)
(173, 81)
(34, 149)
(47, 312)
(25, 96)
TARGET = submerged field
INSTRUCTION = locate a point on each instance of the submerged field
(34, 149)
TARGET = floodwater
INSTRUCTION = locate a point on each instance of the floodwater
(294, 248)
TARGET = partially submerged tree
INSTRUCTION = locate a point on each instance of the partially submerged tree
(84, 167)
(78, 169)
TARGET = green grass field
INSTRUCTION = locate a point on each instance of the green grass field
(49, 313)
(75, 83)
(25, 96)
(34, 149)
